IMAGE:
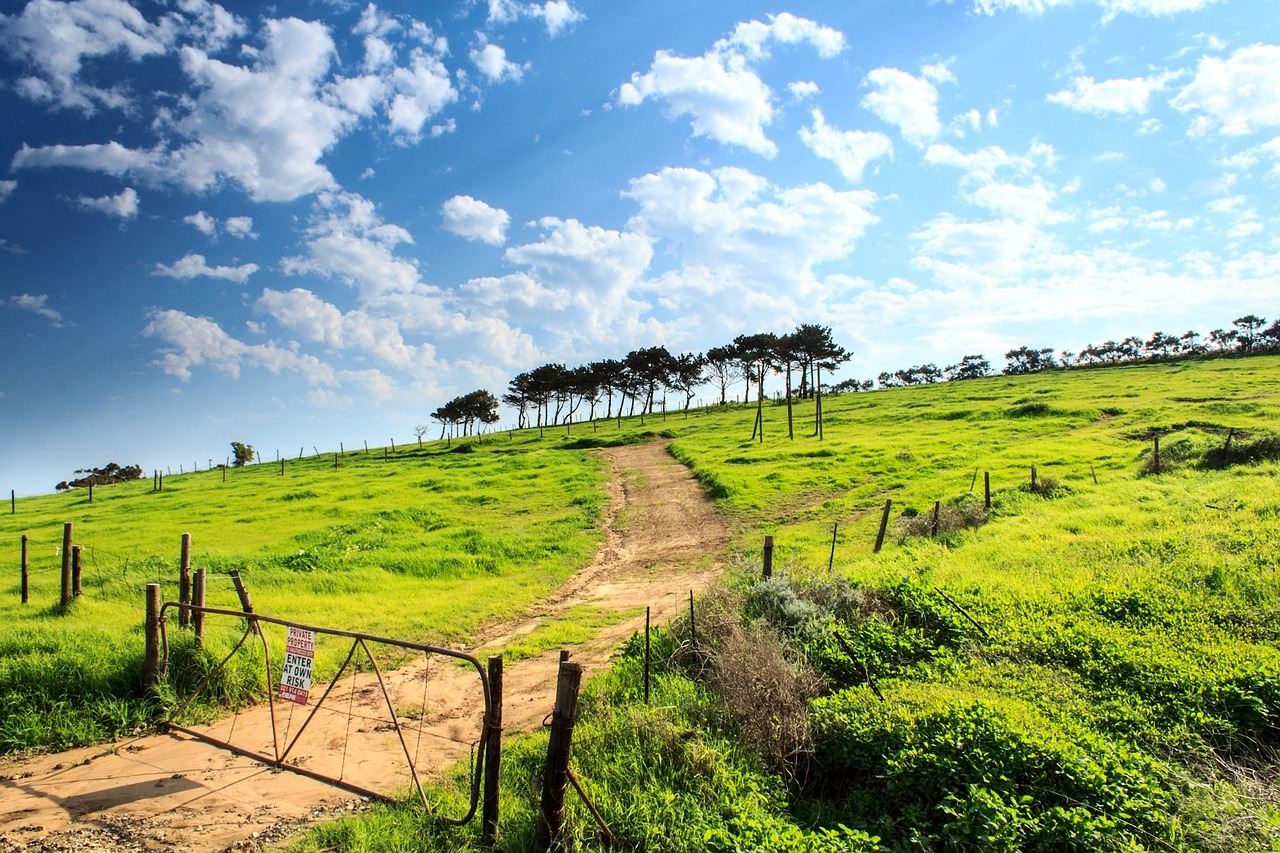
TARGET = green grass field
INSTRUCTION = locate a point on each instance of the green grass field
(1092, 666)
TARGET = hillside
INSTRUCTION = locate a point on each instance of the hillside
(1092, 665)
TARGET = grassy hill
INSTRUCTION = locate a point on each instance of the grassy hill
(1090, 664)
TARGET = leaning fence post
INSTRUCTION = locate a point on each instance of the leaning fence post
(151, 663)
(245, 604)
(835, 528)
(66, 565)
(184, 581)
(884, 525)
(556, 777)
(197, 598)
(768, 558)
(24, 568)
(986, 490)
(75, 571)
(493, 754)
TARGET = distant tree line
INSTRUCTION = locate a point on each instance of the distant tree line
(109, 473)
(639, 382)
(1249, 335)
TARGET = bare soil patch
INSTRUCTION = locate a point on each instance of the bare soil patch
(664, 538)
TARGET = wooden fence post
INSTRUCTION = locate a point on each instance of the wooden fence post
(646, 656)
(245, 603)
(831, 562)
(197, 598)
(151, 663)
(768, 558)
(986, 490)
(1033, 478)
(75, 571)
(24, 569)
(184, 581)
(933, 525)
(556, 776)
(1156, 452)
(65, 600)
(693, 627)
(13, 501)
(884, 525)
(493, 755)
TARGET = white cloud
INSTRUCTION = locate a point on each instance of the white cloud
(906, 102)
(1111, 8)
(557, 15)
(38, 304)
(195, 266)
(202, 222)
(6, 190)
(852, 150)
(802, 90)
(54, 39)
(725, 99)
(197, 341)
(492, 62)
(123, 204)
(316, 321)
(267, 124)
(1130, 96)
(349, 240)
(473, 219)
(1237, 95)
(240, 227)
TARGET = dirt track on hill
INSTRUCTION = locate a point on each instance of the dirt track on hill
(173, 792)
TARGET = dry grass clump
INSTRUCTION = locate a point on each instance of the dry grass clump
(947, 519)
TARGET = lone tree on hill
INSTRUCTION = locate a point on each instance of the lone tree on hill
(241, 454)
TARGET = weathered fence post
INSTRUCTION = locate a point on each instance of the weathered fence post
(493, 754)
(91, 491)
(986, 490)
(281, 466)
(13, 501)
(768, 558)
(1033, 478)
(24, 568)
(933, 525)
(884, 525)
(1156, 452)
(151, 663)
(65, 600)
(831, 562)
(197, 598)
(245, 604)
(184, 581)
(75, 571)
(556, 776)
(693, 627)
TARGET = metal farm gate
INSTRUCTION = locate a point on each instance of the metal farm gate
(356, 696)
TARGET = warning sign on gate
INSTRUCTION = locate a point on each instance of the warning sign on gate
(299, 661)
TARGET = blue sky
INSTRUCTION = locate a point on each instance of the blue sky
(307, 223)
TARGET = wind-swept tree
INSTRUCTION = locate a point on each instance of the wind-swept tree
(241, 454)
(756, 354)
(818, 347)
(1027, 360)
(723, 368)
(1247, 329)
(687, 375)
(1161, 345)
(1222, 339)
(969, 367)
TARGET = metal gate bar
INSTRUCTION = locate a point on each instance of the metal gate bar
(359, 640)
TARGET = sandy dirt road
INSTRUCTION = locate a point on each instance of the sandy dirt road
(173, 792)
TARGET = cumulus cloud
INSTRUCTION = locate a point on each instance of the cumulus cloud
(6, 190)
(473, 219)
(1110, 8)
(37, 304)
(195, 266)
(724, 98)
(851, 150)
(315, 321)
(556, 15)
(491, 60)
(123, 205)
(349, 240)
(1129, 96)
(202, 222)
(907, 102)
(266, 122)
(189, 341)
(1237, 95)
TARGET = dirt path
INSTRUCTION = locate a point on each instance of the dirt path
(173, 792)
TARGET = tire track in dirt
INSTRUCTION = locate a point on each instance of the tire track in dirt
(663, 538)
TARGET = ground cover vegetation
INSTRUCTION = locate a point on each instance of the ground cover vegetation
(425, 544)
(1090, 663)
